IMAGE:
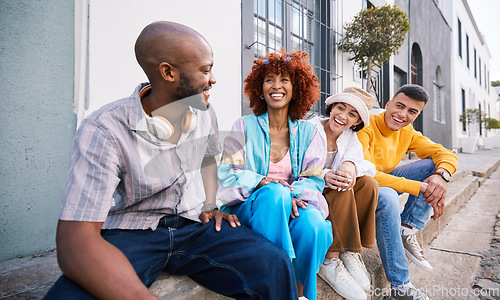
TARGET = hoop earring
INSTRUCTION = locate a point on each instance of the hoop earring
(262, 97)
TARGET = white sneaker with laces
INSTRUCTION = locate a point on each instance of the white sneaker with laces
(414, 252)
(408, 292)
(333, 272)
(356, 267)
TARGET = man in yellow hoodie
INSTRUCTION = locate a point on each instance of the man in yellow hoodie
(385, 141)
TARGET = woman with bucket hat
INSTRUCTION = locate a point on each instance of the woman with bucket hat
(351, 192)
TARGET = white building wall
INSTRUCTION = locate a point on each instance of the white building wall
(113, 27)
(463, 77)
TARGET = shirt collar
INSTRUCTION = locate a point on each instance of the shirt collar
(137, 117)
(380, 123)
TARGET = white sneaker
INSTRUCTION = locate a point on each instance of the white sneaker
(414, 252)
(356, 267)
(408, 292)
(333, 272)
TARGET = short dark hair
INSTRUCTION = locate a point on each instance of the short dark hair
(354, 128)
(414, 91)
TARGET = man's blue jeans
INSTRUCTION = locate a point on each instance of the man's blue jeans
(388, 220)
(235, 262)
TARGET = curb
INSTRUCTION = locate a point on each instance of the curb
(460, 190)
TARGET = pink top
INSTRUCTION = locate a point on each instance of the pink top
(281, 169)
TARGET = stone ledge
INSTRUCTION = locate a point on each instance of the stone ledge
(172, 287)
(486, 169)
(460, 191)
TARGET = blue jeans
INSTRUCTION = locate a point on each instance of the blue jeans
(232, 262)
(306, 238)
(388, 220)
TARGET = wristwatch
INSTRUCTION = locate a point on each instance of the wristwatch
(207, 207)
(444, 174)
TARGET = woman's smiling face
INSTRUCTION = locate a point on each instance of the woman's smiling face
(343, 116)
(277, 90)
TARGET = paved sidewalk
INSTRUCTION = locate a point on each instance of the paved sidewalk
(30, 277)
(466, 253)
(468, 161)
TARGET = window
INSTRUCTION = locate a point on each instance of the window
(464, 126)
(297, 25)
(416, 77)
(467, 50)
(439, 108)
(475, 63)
(480, 121)
(480, 82)
(268, 22)
(459, 38)
(485, 78)
(488, 82)
(357, 73)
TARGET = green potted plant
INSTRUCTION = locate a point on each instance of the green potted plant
(490, 124)
(470, 117)
(374, 35)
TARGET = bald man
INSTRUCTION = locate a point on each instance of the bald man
(140, 194)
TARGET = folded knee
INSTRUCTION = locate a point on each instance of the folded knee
(388, 199)
(275, 188)
(275, 192)
(368, 183)
(313, 221)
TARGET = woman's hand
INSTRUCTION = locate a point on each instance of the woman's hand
(267, 180)
(343, 178)
(296, 203)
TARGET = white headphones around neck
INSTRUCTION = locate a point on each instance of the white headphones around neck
(160, 127)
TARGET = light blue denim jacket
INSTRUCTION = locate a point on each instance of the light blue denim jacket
(246, 156)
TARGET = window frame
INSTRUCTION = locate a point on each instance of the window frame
(438, 103)
(467, 50)
(459, 38)
(316, 34)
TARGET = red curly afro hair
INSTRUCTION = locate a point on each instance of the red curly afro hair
(296, 65)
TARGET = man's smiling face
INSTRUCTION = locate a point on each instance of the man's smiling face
(401, 111)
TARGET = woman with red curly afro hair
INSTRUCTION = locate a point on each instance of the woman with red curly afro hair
(270, 171)
(296, 65)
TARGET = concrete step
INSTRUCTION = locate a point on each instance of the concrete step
(485, 170)
(462, 250)
(460, 189)
(32, 276)
(172, 287)
(459, 192)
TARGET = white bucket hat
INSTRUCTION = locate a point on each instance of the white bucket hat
(361, 100)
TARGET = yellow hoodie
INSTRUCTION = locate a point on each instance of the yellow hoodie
(385, 148)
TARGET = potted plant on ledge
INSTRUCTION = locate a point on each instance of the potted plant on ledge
(490, 124)
(470, 116)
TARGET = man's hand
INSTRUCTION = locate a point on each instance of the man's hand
(343, 178)
(434, 192)
(438, 211)
(218, 215)
(296, 203)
